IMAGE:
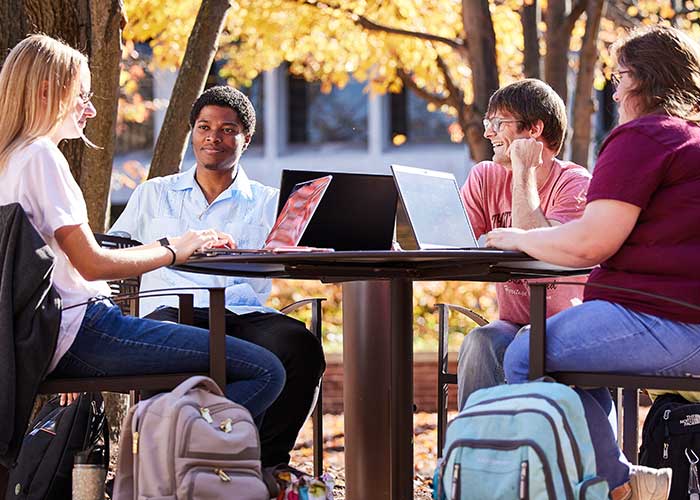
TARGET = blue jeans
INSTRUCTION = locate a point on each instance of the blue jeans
(480, 361)
(606, 337)
(111, 344)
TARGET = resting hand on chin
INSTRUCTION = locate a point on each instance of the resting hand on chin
(505, 238)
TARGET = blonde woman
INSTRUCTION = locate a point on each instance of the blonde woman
(44, 99)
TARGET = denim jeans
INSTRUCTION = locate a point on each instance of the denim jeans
(111, 344)
(480, 361)
(606, 337)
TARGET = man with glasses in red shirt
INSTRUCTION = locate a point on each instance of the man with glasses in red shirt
(525, 186)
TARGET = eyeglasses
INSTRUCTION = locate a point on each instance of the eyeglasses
(496, 123)
(86, 97)
(616, 76)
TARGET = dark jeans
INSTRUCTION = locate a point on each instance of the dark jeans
(301, 355)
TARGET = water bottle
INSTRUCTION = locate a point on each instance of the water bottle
(88, 476)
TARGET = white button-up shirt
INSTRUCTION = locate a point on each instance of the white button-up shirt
(172, 205)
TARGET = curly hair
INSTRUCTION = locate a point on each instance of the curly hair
(226, 97)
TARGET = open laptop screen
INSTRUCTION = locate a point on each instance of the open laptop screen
(297, 212)
(434, 208)
(356, 213)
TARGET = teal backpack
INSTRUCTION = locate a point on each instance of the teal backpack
(516, 442)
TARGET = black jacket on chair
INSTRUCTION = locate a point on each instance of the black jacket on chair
(30, 317)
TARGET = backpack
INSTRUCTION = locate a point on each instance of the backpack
(44, 467)
(521, 441)
(191, 443)
(671, 426)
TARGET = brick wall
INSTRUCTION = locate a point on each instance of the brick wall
(424, 383)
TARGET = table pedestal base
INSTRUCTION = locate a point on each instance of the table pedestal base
(378, 389)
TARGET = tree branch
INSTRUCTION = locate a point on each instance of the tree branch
(456, 94)
(408, 82)
(368, 24)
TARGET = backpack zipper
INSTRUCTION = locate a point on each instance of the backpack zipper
(567, 428)
(495, 444)
(560, 453)
(667, 414)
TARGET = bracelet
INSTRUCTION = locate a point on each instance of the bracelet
(172, 251)
(164, 242)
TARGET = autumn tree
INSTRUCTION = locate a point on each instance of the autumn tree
(452, 53)
(94, 27)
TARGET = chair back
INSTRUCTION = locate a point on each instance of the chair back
(124, 286)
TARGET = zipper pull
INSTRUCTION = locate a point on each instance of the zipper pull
(206, 415)
(667, 415)
(226, 425)
(224, 477)
(135, 443)
(523, 479)
(455, 481)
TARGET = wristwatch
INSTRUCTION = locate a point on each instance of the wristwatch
(165, 242)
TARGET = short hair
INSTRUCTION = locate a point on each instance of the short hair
(226, 97)
(665, 63)
(531, 100)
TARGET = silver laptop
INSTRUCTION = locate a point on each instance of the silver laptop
(434, 208)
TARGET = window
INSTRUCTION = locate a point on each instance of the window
(412, 123)
(315, 118)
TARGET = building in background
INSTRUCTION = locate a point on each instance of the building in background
(299, 127)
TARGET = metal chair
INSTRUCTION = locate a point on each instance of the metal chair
(126, 295)
(628, 407)
(444, 377)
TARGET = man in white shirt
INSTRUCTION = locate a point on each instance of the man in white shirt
(217, 193)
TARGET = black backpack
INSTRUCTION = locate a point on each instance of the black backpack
(671, 427)
(43, 470)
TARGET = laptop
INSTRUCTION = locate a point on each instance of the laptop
(292, 221)
(433, 205)
(357, 212)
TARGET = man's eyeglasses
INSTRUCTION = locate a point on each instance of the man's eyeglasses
(86, 97)
(496, 123)
(616, 76)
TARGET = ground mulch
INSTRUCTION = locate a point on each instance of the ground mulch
(425, 452)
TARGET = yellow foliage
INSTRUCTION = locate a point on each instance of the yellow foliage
(480, 297)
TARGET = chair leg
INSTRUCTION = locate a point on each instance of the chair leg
(4, 478)
(442, 387)
(630, 401)
(317, 330)
(317, 420)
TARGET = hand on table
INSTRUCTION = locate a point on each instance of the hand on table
(505, 238)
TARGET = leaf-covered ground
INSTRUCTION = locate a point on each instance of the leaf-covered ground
(425, 455)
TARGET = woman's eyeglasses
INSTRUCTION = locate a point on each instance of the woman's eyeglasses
(616, 76)
(86, 97)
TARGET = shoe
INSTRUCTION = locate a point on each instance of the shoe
(649, 484)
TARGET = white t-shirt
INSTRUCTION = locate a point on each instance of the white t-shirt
(38, 178)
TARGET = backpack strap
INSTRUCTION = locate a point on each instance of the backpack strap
(124, 480)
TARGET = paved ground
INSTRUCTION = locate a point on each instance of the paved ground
(424, 447)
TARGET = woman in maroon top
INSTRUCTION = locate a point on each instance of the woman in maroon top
(640, 227)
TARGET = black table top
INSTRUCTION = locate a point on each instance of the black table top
(470, 265)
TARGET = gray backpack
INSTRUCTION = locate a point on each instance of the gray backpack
(191, 443)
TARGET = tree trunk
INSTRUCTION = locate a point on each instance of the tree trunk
(199, 55)
(530, 19)
(558, 36)
(583, 99)
(95, 175)
(481, 55)
(70, 20)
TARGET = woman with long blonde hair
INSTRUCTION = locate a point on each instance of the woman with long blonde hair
(45, 98)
